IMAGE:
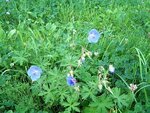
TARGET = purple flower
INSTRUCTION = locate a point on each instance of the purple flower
(71, 81)
(34, 72)
(94, 36)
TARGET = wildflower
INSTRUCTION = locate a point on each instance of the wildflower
(71, 81)
(94, 36)
(133, 87)
(12, 64)
(83, 55)
(111, 69)
(7, 13)
(96, 53)
(34, 72)
(100, 86)
(82, 59)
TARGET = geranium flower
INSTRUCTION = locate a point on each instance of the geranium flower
(94, 36)
(71, 81)
(111, 69)
(34, 72)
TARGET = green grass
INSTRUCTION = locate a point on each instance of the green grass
(42, 33)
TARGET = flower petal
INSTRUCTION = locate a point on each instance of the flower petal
(34, 72)
(94, 36)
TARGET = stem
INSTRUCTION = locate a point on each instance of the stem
(134, 97)
(141, 84)
(127, 86)
(142, 60)
(141, 88)
(106, 49)
(5, 71)
(123, 80)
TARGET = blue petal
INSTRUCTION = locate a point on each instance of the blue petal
(71, 81)
(94, 36)
(34, 72)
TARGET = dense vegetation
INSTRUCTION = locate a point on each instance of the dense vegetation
(53, 35)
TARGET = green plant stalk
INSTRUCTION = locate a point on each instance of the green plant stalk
(106, 49)
(140, 64)
(5, 72)
(141, 84)
(127, 86)
(123, 80)
(142, 88)
(145, 93)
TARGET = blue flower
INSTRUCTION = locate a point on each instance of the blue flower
(71, 81)
(94, 36)
(34, 72)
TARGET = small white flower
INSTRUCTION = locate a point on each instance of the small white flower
(96, 53)
(111, 69)
(7, 0)
(100, 86)
(12, 64)
(133, 87)
(68, 74)
(82, 59)
(8, 13)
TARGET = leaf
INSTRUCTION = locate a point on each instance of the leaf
(71, 104)
(120, 99)
(20, 57)
(102, 103)
(138, 108)
(11, 33)
(89, 110)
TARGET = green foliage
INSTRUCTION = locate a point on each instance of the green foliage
(52, 34)
(121, 99)
(102, 103)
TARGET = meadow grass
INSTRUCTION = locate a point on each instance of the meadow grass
(52, 35)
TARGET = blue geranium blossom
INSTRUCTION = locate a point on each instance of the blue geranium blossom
(34, 72)
(71, 81)
(94, 36)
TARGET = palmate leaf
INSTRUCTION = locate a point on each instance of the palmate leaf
(71, 105)
(120, 99)
(101, 104)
